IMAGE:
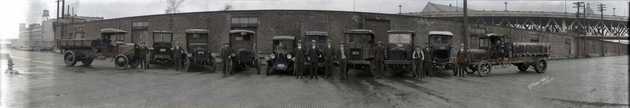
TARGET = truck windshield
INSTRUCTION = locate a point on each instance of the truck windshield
(440, 39)
(162, 37)
(400, 38)
(360, 38)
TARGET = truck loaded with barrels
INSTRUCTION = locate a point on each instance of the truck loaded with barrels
(497, 49)
(494, 49)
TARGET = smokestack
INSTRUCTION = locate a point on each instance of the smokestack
(63, 8)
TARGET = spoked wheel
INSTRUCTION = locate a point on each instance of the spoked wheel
(541, 66)
(484, 69)
(69, 58)
(522, 67)
(121, 62)
(470, 69)
(88, 61)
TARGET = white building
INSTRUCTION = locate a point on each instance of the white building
(36, 36)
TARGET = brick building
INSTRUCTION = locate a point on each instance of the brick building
(269, 23)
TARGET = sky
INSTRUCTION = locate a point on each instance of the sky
(29, 11)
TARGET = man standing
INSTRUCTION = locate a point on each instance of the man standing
(142, 55)
(177, 57)
(137, 55)
(428, 64)
(299, 61)
(379, 59)
(343, 68)
(417, 57)
(313, 59)
(330, 56)
(147, 56)
(226, 55)
(460, 61)
(10, 65)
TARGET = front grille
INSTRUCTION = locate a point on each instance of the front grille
(356, 54)
(398, 55)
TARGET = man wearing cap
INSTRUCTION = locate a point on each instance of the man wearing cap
(226, 54)
(313, 58)
(299, 60)
(330, 56)
(379, 59)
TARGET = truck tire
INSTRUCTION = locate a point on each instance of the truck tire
(70, 58)
(541, 66)
(121, 62)
(522, 67)
(484, 69)
(88, 61)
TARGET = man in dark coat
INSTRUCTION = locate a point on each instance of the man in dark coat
(299, 60)
(330, 57)
(314, 57)
(379, 59)
(227, 54)
(427, 61)
(177, 56)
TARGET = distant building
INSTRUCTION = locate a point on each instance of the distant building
(36, 36)
(41, 36)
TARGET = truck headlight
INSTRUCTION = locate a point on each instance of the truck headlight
(289, 56)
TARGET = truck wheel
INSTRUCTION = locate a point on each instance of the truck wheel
(88, 61)
(69, 58)
(522, 67)
(541, 66)
(484, 69)
(121, 62)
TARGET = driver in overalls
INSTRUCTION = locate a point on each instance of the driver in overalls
(379, 59)
(427, 60)
(227, 55)
(418, 58)
(460, 61)
(329, 59)
(343, 68)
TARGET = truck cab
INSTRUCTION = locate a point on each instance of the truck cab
(162, 51)
(440, 45)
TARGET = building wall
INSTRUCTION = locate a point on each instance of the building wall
(295, 23)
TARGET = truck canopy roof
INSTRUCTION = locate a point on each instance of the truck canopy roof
(360, 31)
(242, 31)
(283, 38)
(445, 33)
(315, 33)
(112, 30)
(196, 31)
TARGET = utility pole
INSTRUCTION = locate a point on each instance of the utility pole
(578, 5)
(602, 8)
(465, 26)
(399, 9)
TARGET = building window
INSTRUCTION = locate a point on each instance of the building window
(244, 21)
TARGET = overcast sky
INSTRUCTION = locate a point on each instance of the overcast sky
(23, 11)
